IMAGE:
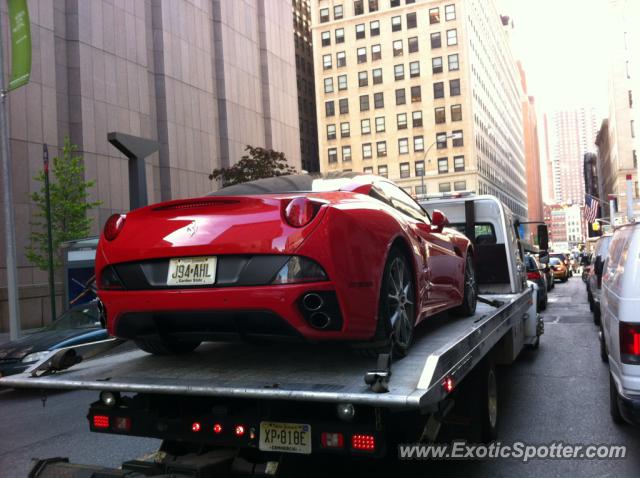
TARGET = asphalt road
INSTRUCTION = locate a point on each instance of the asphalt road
(558, 393)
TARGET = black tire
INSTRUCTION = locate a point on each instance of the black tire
(604, 355)
(160, 346)
(543, 304)
(614, 408)
(565, 279)
(596, 314)
(396, 309)
(470, 293)
(485, 417)
(590, 299)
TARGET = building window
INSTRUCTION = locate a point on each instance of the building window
(398, 72)
(400, 97)
(383, 171)
(381, 148)
(364, 102)
(449, 12)
(339, 35)
(396, 24)
(362, 55)
(444, 187)
(324, 15)
(458, 138)
(376, 52)
(368, 170)
(326, 38)
(419, 167)
(378, 100)
(328, 85)
(436, 64)
(376, 73)
(403, 146)
(416, 118)
(443, 165)
(360, 32)
(452, 37)
(416, 94)
(441, 115)
(454, 87)
(412, 20)
(326, 62)
(453, 62)
(365, 126)
(441, 140)
(329, 108)
(401, 120)
(345, 130)
(414, 69)
(366, 151)
(341, 59)
(456, 112)
(412, 44)
(333, 155)
(343, 105)
(374, 27)
(338, 12)
(438, 90)
(342, 82)
(630, 99)
(394, 3)
(420, 190)
(458, 164)
(358, 7)
(459, 185)
(380, 125)
(397, 48)
(373, 6)
(331, 131)
(418, 143)
(363, 78)
(405, 170)
(346, 154)
(434, 15)
(436, 40)
(633, 129)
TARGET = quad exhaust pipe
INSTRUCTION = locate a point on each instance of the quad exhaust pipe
(312, 302)
(320, 311)
(319, 320)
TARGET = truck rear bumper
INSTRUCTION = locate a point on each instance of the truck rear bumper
(630, 409)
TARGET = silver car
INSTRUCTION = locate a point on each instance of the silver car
(594, 281)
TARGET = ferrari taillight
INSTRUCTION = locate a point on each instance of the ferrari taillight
(113, 226)
(300, 211)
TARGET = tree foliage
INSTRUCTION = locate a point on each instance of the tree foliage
(69, 205)
(258, 163)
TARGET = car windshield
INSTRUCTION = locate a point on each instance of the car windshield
(554, 261)
(531, 263)
(295, 183)
(81, 317)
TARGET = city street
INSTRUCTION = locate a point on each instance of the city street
(557, 393)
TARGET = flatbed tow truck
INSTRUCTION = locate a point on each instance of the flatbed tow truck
(240, 409)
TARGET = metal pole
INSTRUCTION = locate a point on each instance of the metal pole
(47, 195)
(612, 210)
(629, 198)
(9, 224)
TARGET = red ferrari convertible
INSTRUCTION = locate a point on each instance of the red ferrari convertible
(349, 258)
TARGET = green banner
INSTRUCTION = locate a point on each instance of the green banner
(20, 43)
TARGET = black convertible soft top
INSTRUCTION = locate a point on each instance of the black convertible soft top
(288, 184)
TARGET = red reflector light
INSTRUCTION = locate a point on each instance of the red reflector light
(448, 385)
(299, 212)
(196, 427)
(239, 430)
(217, 428)
(533, 275)
(629, 339)
(331, 440)
(363, 442)
(113, 226)
(122, 424)
(101, 421)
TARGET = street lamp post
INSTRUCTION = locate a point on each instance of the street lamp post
(424, 158)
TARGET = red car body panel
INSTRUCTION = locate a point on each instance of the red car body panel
(350, 237)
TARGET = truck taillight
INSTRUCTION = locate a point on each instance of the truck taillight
(331, 440)
(630, 343)
(100, 421)
(363, 442)
(122, 424)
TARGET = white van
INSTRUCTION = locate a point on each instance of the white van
(620, 317)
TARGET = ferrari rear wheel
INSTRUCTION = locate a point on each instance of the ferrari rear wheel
(162, 346)
(470, 293)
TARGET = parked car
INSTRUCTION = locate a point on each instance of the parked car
(548, 273)
(342, 258)
(78, 325)
(535, 273)
(620, 333)
(565, 260)
(594, 281)
(560, 271)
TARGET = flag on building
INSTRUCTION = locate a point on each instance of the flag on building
(591, 208)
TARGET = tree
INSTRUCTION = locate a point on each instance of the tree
(257, 164)
(69, 205)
